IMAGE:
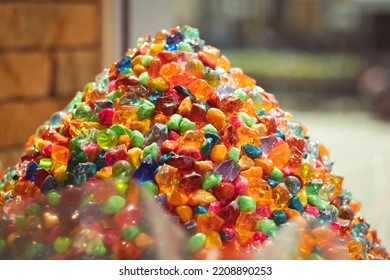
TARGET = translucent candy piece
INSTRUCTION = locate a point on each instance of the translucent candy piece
(201, 197)
(209, 222)
(166, 178)
(280, 155)
(158, 133)
(246, 222)
(192, 139)
(145, 172)
(200, 89)
(229, 170)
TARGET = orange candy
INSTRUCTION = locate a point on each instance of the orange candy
(169, 70)
(280, 155)
(200, 89)
(218, 153)
(184, 212)
(194, 68)
(178, 197)
(60, 153)
(216, 117)
(166, 178)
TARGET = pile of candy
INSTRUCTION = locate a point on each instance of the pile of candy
(175, 121)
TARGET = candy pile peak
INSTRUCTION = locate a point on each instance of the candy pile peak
(173, 119)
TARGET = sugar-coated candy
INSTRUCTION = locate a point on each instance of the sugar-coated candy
(173, 143)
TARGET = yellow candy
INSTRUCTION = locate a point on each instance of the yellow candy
(184, 212)
(246, 162)
(134, 157)
(201, 197)
(185, 107)
(137, 60)
(301, 194)
(125, 140)
(104, 173)
(216, 117)
(213, 240)
(155, 48)
(59, 172)
(218, 153)
(141, 125)
(41, 144)
(159, 84)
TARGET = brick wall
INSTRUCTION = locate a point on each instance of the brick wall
(48, 50)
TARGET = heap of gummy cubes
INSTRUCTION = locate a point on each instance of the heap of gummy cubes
(172, 119)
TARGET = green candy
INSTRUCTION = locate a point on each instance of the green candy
(152, 149)
(174, 122)
(144, 78)
(76, 100)
(107, 138)
(151, 187)
(96, 247)
(240, 94)
(196, 242)
(211, 180)
(34, 209)
(121, 186)
(122, 170)
(86, 201)
(45, 163)
(267, 226)
(53, 198)
(113, 95)
(314, 256)
(83, 112)
(20, 219)
(130, 232)
(209, 128)
(2, 247)
(114, 204)
(190, 32)
(248, 120)
(146, 60)
(62, 243)
(32, 250)
(246, 203)
(234, 154)
(276, 174)
(121, 130)
(316, 201)
(183, 46)
(186, 125)
(145, 111)
(137, 139)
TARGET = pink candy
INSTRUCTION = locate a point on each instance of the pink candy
(215, 207)
(240, 185)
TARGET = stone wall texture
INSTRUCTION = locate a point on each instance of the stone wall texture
(49, 49)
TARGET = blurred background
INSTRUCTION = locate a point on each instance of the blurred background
(327, 62)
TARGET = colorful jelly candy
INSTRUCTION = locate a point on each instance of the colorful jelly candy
(173, 143)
